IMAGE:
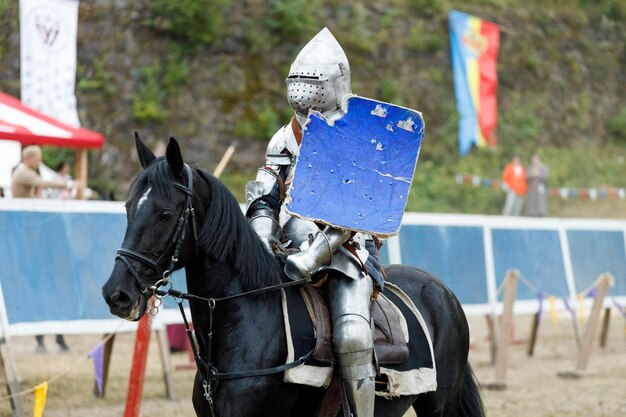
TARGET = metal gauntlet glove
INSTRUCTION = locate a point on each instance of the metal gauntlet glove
(319, 253)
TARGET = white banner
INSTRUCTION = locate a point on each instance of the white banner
(48, 31)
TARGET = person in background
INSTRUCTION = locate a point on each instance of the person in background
(62, 171)
(536, 176)
(26, 183)
(514, 178)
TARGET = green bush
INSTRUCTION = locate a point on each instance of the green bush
(616, 125)
(148, 103)
(95, 77)
(293, 19)
(196, 22)
(53, 156)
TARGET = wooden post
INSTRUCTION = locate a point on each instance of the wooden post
(224, 161)
(106, 362)
(168, 371)
(504, 339)
(604, 333)
(80, 171)
(9, 373)
(592, 323)
(530, 349)
(492, 338)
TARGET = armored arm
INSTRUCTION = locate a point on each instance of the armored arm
(265, 195)
(319, 253)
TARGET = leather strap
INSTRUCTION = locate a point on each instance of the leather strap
(297, 132)
(332, 398)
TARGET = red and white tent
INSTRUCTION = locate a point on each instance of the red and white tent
(19, 123)
(29, 127)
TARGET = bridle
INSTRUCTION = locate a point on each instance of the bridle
(210, 374)
(175, 242)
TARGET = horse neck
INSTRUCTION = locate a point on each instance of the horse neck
(244, 329)
(227, 239)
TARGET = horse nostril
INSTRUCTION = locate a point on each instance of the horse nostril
(119, 299)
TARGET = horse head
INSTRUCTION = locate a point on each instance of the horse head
(161, 236)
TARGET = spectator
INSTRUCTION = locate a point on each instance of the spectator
(26, 183)
(537, 174)
(62, 175)
(514, 178)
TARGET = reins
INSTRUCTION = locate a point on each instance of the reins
(210, 374)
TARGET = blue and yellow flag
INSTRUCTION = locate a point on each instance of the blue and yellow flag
(474, 43)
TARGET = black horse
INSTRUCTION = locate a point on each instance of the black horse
(183, 217)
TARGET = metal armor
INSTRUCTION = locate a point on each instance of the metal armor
(264, 195)
(319, 79)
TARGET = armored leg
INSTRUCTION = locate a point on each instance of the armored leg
(350, 302)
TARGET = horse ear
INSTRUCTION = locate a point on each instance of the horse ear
(174, 157)
(145, 155)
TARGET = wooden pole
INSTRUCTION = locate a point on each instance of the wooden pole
(504, 339)
(492, 338)
(166, 361)
(604, 333)
(80, 171)
(592, 323)
(9, 372)
(106, 363)
(224, 161)
(530, 349)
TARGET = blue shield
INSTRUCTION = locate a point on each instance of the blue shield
(356, 173)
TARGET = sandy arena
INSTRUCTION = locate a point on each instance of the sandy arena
(533, 387)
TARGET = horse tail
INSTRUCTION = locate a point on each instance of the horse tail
(471, 404)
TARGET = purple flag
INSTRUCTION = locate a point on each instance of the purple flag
(97, 355)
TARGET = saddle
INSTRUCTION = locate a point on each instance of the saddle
(390, 330)
(390, 344)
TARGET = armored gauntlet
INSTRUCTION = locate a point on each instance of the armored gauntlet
(319, 253)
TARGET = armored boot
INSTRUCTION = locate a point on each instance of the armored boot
(350, 302)
(319, 253)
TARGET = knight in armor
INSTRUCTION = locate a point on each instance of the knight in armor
(319, 79)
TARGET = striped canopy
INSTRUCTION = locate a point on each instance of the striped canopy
(29, 127)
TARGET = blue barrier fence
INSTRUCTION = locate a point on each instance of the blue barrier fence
(56, 256)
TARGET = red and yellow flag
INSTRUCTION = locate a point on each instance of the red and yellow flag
(474, 44)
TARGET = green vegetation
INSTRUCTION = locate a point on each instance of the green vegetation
(53, 156)
(555, 91)
(6, 23)
(155, 83)
(195, 23)
(96, 78)
(212, 72)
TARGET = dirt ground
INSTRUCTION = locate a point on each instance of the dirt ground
(533, 387)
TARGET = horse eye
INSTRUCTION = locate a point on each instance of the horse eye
(166, 215)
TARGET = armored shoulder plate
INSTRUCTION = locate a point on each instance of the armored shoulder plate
(283, 139)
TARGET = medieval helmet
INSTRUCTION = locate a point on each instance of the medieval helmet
(319, 77)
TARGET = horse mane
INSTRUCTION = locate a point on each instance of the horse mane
(226, 236)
